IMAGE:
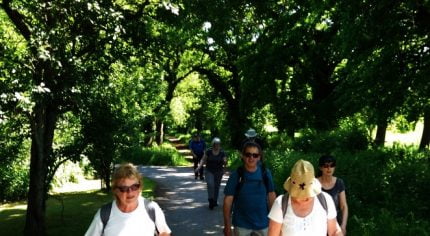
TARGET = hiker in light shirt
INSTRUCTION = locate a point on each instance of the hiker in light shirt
(129, 214)
(304, 210)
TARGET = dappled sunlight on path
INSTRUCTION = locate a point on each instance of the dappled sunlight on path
(184, 201)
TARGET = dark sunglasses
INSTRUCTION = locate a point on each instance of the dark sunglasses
(127, 189)
(254, 155)
(328, 166)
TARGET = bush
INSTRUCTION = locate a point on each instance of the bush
(165, 154)
(14, 180)
(351, 139)
(386, 188)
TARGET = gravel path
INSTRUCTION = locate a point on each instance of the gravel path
(184, 201)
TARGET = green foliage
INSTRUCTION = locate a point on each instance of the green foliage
(165, 154)
(352, 139)
(14, 166)
(390, 183)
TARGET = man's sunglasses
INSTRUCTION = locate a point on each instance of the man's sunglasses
(127, 189)
(254, 155)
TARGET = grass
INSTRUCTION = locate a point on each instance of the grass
(73, 219)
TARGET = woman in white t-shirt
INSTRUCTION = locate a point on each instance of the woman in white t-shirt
(128, 214)
(304, 213)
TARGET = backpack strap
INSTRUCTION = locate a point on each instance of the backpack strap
(323, 201)
(265, 177)
(320, 196)
(150, 209)
(105, 214)
(284, 204)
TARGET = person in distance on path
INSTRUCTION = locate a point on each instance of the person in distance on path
(215, 160)
(197, 146)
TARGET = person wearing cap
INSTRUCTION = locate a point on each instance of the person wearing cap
(197, 146)
(305, 211)
(215, 160)
(252, 136)
(335, 187)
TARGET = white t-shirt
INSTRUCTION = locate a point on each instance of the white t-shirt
(315, 223)
(136, 222)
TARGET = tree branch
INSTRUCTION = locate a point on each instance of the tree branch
(17, 19)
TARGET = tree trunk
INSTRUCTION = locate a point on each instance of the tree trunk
(159, 131)
(380, 134)
(425, 138)
(42, 133)
(236, 123)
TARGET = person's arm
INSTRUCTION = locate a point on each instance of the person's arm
(274, 228)
(333, 228)
(271, 197)
(96, 227)
(228, 203)
(202, 162)
(160, 221)
(344, 208)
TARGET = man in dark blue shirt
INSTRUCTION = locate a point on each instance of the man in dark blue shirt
(250, 193)
(197, 146)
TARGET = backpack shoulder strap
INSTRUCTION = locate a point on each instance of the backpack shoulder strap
(323, 201)
(265, 177)
(105, 214)
(149, 207)
(284, 204)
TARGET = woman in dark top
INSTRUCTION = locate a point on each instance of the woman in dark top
(335, 187)
(215, 160)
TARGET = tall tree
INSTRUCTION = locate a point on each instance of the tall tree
(67, 43)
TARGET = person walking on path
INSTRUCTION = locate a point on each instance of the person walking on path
(215, 160)
(129, 213)
(249, 193)
(304, 209)
(252, 136)
(335, 187)
(197, 146)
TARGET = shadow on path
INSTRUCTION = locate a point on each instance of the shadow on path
(184, 201)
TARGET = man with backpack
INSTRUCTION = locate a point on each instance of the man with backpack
(249, 194)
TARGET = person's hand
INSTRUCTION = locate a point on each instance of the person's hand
(227, 231)
(343, 230)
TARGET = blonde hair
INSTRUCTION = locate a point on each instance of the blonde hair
(125, 171)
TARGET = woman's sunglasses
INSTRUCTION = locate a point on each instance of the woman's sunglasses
(328, 166)
(254, 155)
(127, 189)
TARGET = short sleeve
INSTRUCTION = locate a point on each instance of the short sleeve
(230, 187)
(331, 209)
(160, 219)
(341, 185)
(275, 213)
(96, 226)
